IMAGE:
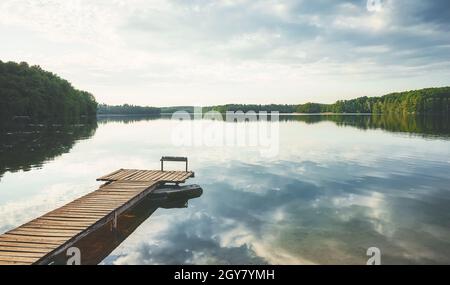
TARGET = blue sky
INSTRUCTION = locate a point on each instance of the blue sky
(178, 52)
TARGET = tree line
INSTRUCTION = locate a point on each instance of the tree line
(30, 91)
(126, 109)
(424, 101)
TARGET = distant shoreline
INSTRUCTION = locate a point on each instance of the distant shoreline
(281, 114)
(423, 101)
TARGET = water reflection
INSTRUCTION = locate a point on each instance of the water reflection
(104, 119)
(338, 186)
(427, 126)
(25, 146)
(254, 215)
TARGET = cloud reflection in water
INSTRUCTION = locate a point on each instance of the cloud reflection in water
(254, 214)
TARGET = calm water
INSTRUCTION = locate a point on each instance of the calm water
(339, 185)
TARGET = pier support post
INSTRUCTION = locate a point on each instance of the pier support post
(114, 222)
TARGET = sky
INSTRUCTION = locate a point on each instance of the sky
(202, 52)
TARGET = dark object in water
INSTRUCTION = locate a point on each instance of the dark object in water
(175, 196)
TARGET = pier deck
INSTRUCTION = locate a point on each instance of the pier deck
(41, 239)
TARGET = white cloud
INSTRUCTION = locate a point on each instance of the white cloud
(201, 50)
(13, 214)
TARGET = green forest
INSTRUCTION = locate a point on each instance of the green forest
(126, 109)
(30, 91)
(434, 101)
(425, 101)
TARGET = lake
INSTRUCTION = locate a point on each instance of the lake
(337, 185)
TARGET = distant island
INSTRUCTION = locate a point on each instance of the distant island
(31, 92)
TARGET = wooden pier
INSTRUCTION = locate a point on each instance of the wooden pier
(41, 240)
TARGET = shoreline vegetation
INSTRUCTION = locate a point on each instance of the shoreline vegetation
(29, 93)
(429, 101)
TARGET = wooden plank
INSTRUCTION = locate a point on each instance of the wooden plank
(85, 205)
(81, 211)
(42, 234)
(70, 207)
(62, 223)
(36, 228)
(123, 174)
(23, 249)
(158, 175)
(97, 203)
(116, 194)
(12, 263)
(42, 226)
(121, 189)
(113, 193)
(132, 173)
(13, 237)
(24, 229)
(108, 201)
(138, 187)
(121, 186)
(166, 177)
(110, 174)
(18, 259)
(148, 174)
(129, 184)
(37, 241)
(63, 214)
(172, 177)
(87, 208)
(111, 177)
(135, 175)
(77, 211)
(105, 204)
(28, 245)
(67, 221)
(105, 201)
(21, 253)
(74, 219)
(153, 174)
(179, 177)
(108, 197)
(105, 194)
